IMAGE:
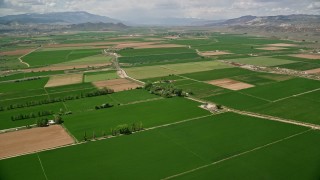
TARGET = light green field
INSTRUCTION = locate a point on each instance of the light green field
(91, 60)
(165, 70)
(262, 61)
(100, 76)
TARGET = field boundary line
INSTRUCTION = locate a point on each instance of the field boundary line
(296, 95)
(255, 97)
(20, 58)
(178, 122)
(272, 118)
(45, 175)
(237, 155)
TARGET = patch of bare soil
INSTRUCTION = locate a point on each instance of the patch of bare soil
(313, 71)
(32, 140)
(271, 48)
(307, 56)
(282, 45)
(117, 84)
(16, 52)
(61, 80)
(230, 84)
(214, 53)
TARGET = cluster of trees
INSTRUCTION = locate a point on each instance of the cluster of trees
(27, 79)
(126, 129)
(99, 92)
(31, 115)
(42, 122)
(164, 89)
(103, 106)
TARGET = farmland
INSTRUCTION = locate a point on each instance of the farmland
(196, 150)
(158, 103)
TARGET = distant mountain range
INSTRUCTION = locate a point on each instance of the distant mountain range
(280, 20)
(56, 18)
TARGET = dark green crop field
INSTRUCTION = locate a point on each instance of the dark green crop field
(151, 114)
(154, 51)
(159, 153)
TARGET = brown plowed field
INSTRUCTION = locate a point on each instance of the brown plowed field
(214, 53)
(16, 52)
(307, 56)
(31, 140)
(230, 84)
(282, 45)
(313, 71)
(271, 48)
(117, 84)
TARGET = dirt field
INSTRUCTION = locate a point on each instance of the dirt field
(67, 79)
(31, 140)
(230, 84)
(307, 56)
(313, 71)
(16, 52)
(282, 45)
(271, 48)
(117, 84)
(58, 68)
(214, 53)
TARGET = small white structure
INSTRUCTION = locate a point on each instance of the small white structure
(51, 122)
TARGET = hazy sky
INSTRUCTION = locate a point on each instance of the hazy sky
(137, 9)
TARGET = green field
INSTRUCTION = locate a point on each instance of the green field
(262, 61)
(283, 89)
(90, 60)
(10, 87)
(163, 152)
(158, 58)
(147, 72)
(218, 74)
(301, 108)
(153, 51)
(296, 158)
(237, 100)
(43, 58)
(151, 113)
(115, 99)
(100, 76)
